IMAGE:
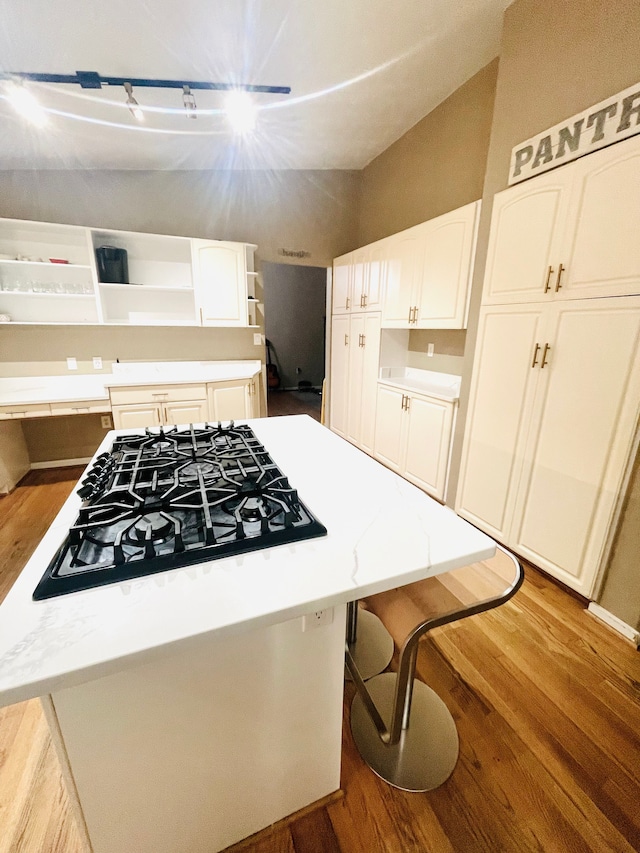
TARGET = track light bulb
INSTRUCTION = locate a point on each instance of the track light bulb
(24, 102)
(134, 106)
(189, 102)
(241, 111)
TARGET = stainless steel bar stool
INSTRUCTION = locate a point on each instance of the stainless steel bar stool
(402, 729)
(368, 642)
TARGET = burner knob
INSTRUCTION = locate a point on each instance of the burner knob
(85, 491)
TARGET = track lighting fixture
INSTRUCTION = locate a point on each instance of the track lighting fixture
(240, 109)
(134, 106)
(189, 102)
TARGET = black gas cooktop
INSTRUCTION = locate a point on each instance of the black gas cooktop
(169, 497)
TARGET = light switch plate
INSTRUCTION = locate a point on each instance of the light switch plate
(257, 339)
(72, 364)
(97, 362)
(430, 350)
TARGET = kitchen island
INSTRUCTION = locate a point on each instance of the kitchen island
(194, 707)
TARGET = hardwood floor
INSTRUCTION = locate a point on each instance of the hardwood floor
(294, 403)
(546, 700)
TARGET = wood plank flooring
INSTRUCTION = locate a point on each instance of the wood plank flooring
(546, 700)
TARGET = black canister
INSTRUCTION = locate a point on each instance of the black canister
(113, 267)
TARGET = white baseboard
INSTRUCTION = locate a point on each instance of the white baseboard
(615, 623)
(61, 463)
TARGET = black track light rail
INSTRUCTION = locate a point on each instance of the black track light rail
(93, 80)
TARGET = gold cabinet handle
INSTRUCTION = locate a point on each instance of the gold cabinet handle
(402, 404)
(407, 404)
(547, 350)
(535, 355)
(346, 340)
(362, 340)
(410, 313)
(348, 303)
(364, 297)
(560, 271)
(201, 318)
(547, 284)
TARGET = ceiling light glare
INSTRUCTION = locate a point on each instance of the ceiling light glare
(134, 106)
(24, 103)
(241, 111)
(189, 102)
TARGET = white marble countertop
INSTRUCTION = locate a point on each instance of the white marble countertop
(443, 386)
(26, 390)
(382, 532)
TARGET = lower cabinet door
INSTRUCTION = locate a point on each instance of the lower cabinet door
(428, 442)
(389, 435)
(354, 383)
(370, 362)
(229, 400)
(136, 416)
(581, 433)
(194, 412)
(338, 386)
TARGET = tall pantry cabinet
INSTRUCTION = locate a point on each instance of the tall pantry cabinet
(555, 394)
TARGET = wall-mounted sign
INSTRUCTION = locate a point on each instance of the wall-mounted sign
(294, 253)
(609, 121)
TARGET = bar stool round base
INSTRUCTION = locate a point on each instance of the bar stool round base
(427, 751)
(373, 648)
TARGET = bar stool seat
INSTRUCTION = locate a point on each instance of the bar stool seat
(401, 727)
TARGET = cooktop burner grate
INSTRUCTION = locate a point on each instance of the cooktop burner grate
(166, 498)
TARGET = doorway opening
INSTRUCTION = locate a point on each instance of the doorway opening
(295, 328)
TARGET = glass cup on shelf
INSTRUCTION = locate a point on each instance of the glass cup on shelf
(37, 286)
(87, 287)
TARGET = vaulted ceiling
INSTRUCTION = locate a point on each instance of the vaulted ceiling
(361, 72)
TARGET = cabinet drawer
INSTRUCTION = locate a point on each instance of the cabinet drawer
(33, 410)
(80, 407)
(157, 393)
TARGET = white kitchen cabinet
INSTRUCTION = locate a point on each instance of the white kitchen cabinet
(429, 272)
(364, 353)
(355, 348)
(233, 399)
(220, 280)
(569, 234)
(445, 278)
(342, 284)
(404, 257)
(157, 405)
(173, 281)
(554, 404)
(35, 290)
(160, 291)
(339, 377)
(359, 279)
(413, 436)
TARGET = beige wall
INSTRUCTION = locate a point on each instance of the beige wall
(299, 211)
(435, 167)
(557, 59)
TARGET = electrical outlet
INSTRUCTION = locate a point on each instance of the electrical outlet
(430, 350)
(257, 339)
(317, 619)
(105, 422)
(72, 364)
(97, 362)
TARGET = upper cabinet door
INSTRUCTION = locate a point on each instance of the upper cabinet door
(376, 277)
(342, 284)
(404, 258)
(527, 226)
(220, 282)
(602, 252)
(449, 244)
